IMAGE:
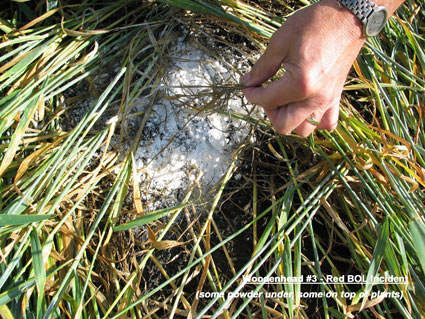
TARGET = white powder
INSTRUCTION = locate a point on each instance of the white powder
(178, 138)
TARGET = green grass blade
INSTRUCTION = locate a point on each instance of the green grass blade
(378, 254)
(418, 232)
(39, 270)
(146, 219)
(286, 200)
(12, 220)
(16, 291)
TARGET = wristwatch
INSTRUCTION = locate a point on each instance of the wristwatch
(371, 15)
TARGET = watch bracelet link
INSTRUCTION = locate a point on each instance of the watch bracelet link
(361, 8)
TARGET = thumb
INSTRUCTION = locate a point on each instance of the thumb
(266, 66)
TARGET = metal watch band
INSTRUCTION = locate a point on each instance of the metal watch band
(361, 8)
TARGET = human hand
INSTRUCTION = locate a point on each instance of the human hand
(317, 47)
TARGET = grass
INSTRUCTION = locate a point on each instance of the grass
(68, 242)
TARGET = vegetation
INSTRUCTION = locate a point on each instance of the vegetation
(68, 242)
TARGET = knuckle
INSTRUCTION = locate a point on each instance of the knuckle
(306, 84)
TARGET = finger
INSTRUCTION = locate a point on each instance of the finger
(286, 118)
(305, 129)
(277, 93)
(269, 63)
(329, 120)
(307, 126)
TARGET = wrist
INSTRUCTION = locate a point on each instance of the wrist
(371, 14)
(347, 21)
(391, 5)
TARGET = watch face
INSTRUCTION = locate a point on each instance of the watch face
(376, 21)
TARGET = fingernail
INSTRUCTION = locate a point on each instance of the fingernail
(245, 79)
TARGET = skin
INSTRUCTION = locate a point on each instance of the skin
(317, 47)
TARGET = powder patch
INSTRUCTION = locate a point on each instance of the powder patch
(189, 132)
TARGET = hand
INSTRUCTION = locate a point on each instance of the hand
(316, 46)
